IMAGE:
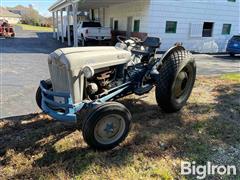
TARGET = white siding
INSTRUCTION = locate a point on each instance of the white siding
(11, 20)
(153, 15)
(138, 10)
(187, 12)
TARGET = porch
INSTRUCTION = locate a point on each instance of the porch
(94, 10)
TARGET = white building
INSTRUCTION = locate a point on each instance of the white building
(202, 26)
(9, 16)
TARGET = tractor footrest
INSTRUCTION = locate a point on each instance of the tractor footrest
(143, 90)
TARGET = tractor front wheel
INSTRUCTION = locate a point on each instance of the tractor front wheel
(38, 96)
(107, 126)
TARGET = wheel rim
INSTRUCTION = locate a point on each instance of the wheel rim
(109, 129)
(182, 85)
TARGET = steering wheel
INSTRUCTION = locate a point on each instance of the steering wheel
(121, 39)
(136, 40)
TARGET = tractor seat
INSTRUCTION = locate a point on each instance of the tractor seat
(152, 42)
(139, 52)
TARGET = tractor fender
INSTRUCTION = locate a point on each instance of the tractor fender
(165, 57)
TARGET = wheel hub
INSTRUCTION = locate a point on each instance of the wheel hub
(181, 83)
(109, 129)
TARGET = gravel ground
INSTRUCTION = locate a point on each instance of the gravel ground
(24, 64)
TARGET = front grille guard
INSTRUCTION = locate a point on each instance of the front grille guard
(59, 111)
(67, 111)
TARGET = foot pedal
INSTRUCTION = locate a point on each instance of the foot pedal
(143, 90)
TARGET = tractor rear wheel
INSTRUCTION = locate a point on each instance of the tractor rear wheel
(176, 80)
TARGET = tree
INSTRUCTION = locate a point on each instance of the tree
(30, 15)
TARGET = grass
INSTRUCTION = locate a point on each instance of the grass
(231, 76)
(35, 28)
(206, 129)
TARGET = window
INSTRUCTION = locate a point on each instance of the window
(171, 27)
(136, 27)
(207, 29)
(226, 29)
(116, 25)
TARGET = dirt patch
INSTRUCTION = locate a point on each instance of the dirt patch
(206, 129)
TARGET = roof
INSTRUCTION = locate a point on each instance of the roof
(19, 9)
(85, 4)
(5, 13)
(59, 3)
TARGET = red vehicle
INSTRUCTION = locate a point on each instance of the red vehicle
(6, 30)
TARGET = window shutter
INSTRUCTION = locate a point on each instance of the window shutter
(196, 30)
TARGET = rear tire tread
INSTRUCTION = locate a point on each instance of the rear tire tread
(172, 65)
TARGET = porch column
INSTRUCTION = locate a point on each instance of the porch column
(75, 36)
(99, 16)
(103, 18)
(68, 26)
(90, 15)
(57, 25)
(62, 33)
(54, 27)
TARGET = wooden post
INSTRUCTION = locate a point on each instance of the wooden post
(54, 27)
(75, 9)
(62, 29)
(68, 26)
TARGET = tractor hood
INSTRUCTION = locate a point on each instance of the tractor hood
(66, 65)
(97, 57)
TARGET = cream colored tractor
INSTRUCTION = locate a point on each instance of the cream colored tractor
(85, 82)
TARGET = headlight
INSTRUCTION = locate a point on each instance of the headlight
(88, 72)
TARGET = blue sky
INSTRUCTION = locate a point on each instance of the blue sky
(40, 5)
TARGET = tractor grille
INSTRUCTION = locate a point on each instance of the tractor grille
(59, 78)
(64, 80)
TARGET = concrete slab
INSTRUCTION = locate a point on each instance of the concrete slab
(217, 64)
(23, 65)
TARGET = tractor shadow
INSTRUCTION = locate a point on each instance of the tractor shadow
(188, 134)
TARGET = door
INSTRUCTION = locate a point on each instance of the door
(129, 26)
(115, 25)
